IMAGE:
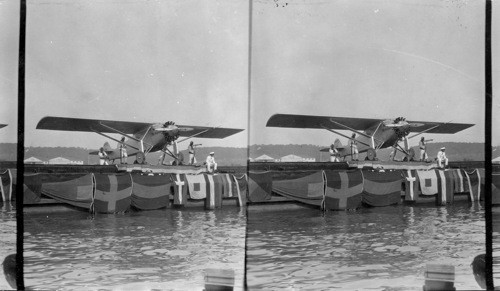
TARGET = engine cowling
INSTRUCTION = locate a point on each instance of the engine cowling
(169, 130)
(401, 127)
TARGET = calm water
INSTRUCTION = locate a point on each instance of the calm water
(383, 248)
(370, 249)
(7, 236)
(161, 249)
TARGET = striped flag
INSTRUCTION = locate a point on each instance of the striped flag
(229, 185)
(219, 180)
(446, 186)
(208, 187)
(343, 189)
(495, 188)
(474, 184)
(210, 199)
(458, 179)
(244, 180)
(6, 185)
(112, 192)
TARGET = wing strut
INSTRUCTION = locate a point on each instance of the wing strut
(346, 136)
(112, 138)
(119, 132)
(371, 137)
(417, 134)
(348, 128)
(195, 135)
(127, 135)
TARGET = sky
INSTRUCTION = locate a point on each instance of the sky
(423, 60)
(187, 62)
(132, 60)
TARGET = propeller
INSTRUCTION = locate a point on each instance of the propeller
(170, 131)
(400, 126)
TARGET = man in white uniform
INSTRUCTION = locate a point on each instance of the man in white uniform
(103, 157)
(123, 151)
(354, 148)
(334, 154)
(423, 149)
(192, 152)
(441, 158)
(211, 164)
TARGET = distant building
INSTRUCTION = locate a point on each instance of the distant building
(34, 161)
(64, 161)
(264, 158)
(294, 158)
(496, 160)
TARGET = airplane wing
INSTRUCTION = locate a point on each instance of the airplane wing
(438, 127)
(90, 125)
(340, 123)
(206, 132)
(3, 125)
(311, 121)
(127, 127)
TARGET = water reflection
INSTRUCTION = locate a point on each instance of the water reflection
(379, 248)
(163, 249)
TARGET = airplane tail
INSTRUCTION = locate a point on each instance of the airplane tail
(107, 147)
(344, 150)
(338, 144)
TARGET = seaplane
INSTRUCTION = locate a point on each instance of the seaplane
(139, 138)
(371, 134)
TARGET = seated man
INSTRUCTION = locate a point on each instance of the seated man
(442, 159)
(211, 164)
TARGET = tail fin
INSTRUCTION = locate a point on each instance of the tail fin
(107, 147)
(344, 150)
(338, 145)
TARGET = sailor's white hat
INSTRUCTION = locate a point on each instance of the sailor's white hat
(212, 153)
(443, 148)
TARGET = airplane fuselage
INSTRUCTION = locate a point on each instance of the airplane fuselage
(152, 141)
(383, 137)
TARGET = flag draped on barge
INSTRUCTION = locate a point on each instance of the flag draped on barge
(339, 190)
(260, 185)
(309, 189)
(112, 192)
(381, 188)
(118, 192)
(150, 191)
(343, 189)
(73, 189)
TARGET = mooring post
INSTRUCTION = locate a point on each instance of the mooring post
(439, 277)
(219, 279)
